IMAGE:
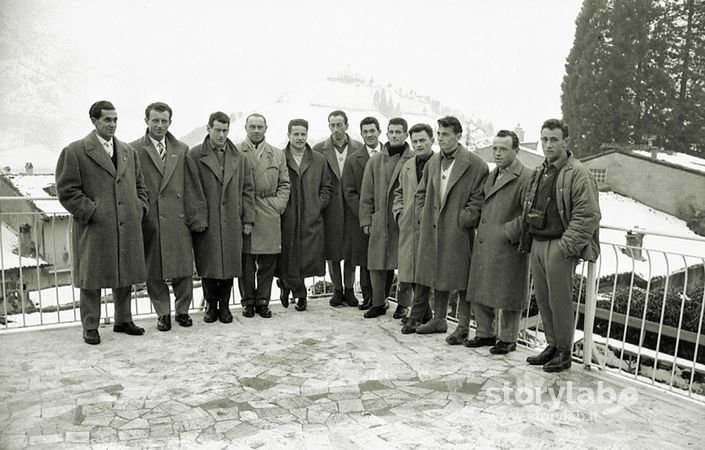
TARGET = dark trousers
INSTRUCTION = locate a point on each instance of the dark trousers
(216, 290)
(158, 291)
(381, 281)
(553, 287)
(296, 287)
(347, 279)
(405, 293)
(256, 281)
(420, 303)
(365, 283)
(90, 306)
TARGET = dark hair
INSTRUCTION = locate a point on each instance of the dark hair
(97, 109)
(159, 107)
(338, 112)
(420, 128)
(398, 121)
(513, 135)
(553, 124)
(220, 117)
(297, 123)
(370, 121)
(256, 115)
(450, 122)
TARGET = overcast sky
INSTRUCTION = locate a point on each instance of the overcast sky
(502, 60)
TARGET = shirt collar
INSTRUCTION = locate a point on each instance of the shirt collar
(345, 142)
(559, 163)
(155, 142)
(371, 150)
(103, 141)
(450, 156)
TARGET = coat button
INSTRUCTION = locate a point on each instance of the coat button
(484, 220)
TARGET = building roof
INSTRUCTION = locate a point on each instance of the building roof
(675, 160)
(9, 258)
(37, 185)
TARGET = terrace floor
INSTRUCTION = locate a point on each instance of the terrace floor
(325, 378)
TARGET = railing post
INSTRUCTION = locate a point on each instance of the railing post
(589, 322)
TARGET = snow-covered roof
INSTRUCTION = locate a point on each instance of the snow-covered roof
(679, 159)
(33, 185)
(9, 258)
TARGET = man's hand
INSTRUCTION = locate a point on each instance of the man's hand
(366, 230)
(247, 229)
(199, 229)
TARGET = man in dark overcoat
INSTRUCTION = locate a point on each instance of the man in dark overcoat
(167, 239)
(220, 209)
(99, 181)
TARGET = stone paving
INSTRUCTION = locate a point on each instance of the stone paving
(325, 378)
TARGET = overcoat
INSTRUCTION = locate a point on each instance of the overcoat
(499, 273)
(338, 220)
(272, 186)
(302, 222)
(447, 225)
(107, 205)
(376, 197)
(404, 213)
(168, 251)
(352, 185)
(222, 199)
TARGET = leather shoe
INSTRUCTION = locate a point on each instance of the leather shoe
(224, 314)
(337, 298)
(184, 320)
(457, 337)
(433, 326)
(560, 362)
(366, 304)
(301, 304)
(283, 295)
(375, 311)
(91, 337)
(349, 297)
(542, 358)
(164, 323)
(248, 311)
(480, 342)
(502, 348)
(129, 328)
(263, 311)
(399, 312)
(211, 314)
(409, 327)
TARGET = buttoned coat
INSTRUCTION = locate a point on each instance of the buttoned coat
(107, 204)
(447, 225)
(404, 212)
(271, 178)
(352, 186)
(167, 239)
(380, 180)
(499, 273)
(221, 199)
(302, 222)
(338, 219)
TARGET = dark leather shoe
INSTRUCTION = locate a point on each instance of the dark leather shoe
(337, 298)
(375, 311)
(560, 362)
(263, 311)
(480, 342)
(301, 304)
(457, 337)
(400, 312)
(365, 305)
(211, 314)
(129, 328)
(502, 348)
(248, 311)
(409, 327)
(184, 320)
(542, 358)
(164, 323)
(283, 295)
(349, 297)
(91, 337)
(224, 314)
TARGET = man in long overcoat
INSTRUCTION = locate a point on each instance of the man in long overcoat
(404, 211)
(352, 185)
(376, 219)
(99, 181)
(448, 202)
(220, 208)
(302, 222)
(495, 255)
(167, 240)
(338, 220)
(261, 247)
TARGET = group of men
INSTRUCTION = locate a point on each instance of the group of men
(147, 210)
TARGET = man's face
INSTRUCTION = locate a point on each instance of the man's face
(297, 137)
(421, 143)
(370, 134)
(554, 146)
(255, 128)
(337, 127)
(447, 138)
(158, 124)
(218, 133)
(107, 123)
(396, 135)
(502, 151)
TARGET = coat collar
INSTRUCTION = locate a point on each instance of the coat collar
(403, 157)
(512, 173)
(261, 164)
(208, 158)
(305, 160)
(148, 147)
(462, 163)
(95, 150)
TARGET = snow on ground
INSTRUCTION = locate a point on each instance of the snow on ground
(680, 159)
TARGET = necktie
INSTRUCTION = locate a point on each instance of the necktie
(162, 151)
(108, 148)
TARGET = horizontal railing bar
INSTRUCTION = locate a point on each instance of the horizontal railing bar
(646, 231)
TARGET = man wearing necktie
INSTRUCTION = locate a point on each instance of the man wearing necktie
(99, 181)
(167, 239)
(448, 202)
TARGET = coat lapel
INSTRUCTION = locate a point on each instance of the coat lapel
(153, 154)
(170, 161)
(230, 163)
(403, 157)
(95, 151)
(332, 158)
(434, 172)
(411, 174)
(121, 158)
(306, 160)
(462, 162)
(264, 162)
(211, 161)
(512, 173)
